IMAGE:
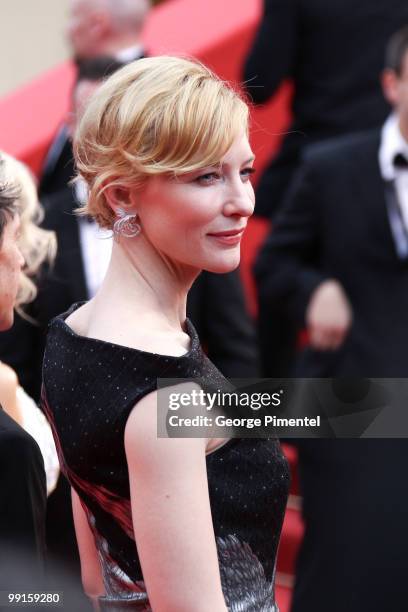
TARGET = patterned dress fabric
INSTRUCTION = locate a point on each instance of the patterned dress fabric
(89, 389)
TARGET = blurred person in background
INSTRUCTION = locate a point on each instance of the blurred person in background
(22, 477)
(82, 256)
(95, 28)
(337, 263)
(37, 246)
(107, 27)
(333, 54)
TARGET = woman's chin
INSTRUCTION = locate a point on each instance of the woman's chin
(6, 320)
(224, 264)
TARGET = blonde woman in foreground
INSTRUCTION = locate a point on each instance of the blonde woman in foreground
(37, 246)
(170, 525)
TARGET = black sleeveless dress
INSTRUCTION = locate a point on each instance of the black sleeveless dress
(89, 389)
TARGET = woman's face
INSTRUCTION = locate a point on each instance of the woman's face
(11, 263)
(198, 219)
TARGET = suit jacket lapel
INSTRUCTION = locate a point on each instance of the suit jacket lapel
(370, 190)
(62, 219)
(73, 259)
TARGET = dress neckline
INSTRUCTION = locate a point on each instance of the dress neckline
(190, 329)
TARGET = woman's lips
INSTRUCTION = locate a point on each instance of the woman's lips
(230, 237)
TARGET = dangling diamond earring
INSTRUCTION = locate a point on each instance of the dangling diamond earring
(126, 225)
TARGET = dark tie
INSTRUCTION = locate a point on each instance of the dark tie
(400, 161)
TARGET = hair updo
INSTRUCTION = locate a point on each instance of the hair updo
(159, 115)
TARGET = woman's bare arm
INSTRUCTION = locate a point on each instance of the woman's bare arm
(172, 516)
(90, 567)
(8, 392)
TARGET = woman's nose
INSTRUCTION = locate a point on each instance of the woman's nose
(240, 202)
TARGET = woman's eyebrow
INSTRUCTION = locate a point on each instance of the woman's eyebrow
(248, 161)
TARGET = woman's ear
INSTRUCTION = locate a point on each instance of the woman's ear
(120, 199)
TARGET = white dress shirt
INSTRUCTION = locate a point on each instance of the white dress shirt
(130, 53)
(95, 243)
(392, 144)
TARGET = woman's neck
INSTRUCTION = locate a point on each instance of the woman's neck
(142, 282)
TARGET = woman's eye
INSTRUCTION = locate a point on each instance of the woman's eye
(209, 178)
(246, 173)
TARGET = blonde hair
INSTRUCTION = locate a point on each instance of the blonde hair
(37, 245)
(159, 115)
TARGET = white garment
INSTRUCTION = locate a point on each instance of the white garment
(130, 53)
(96, 248)
(393, 143)
(95, 243)
(35, 423)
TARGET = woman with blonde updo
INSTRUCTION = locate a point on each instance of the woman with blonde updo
(163, 524)
(37, 246)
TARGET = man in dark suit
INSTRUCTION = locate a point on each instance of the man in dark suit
(107, 27)
(337, 263)
(22, 477)
(95, 28)
(23, 345)
(332, 52)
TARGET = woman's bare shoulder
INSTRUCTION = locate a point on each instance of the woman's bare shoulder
(141, 331)
(79, 320)
(147, 420)
(8, 392)
(8, 378)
